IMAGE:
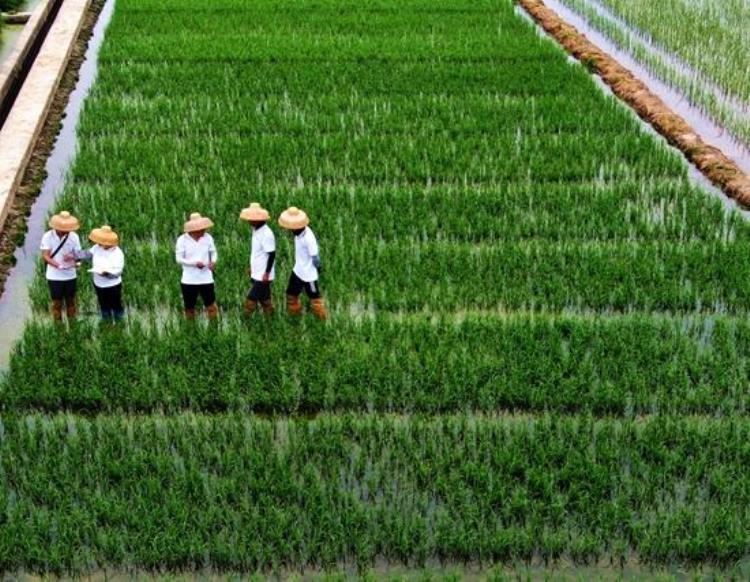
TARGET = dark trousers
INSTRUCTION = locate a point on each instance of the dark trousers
(260, 291)
(61, 290)
(190, 294)
(297, 285)
(110, 302)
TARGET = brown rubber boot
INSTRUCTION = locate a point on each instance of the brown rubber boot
(71, 309)
(250, 306)
(212, 311)
(267, 307)
(190, 314)
(318, 307)
(57, 306)
(293, 305)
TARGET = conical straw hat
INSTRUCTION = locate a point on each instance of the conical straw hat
(64, 222)
(104, 236)
(198, 222)
(254, 212)
(293, 219)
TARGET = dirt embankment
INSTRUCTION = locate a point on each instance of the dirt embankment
(712, 162)
(12, 235)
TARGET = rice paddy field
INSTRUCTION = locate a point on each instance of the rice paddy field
(539, 349)
(699, 46)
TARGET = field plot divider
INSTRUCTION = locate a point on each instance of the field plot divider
(712, 162)
(25, 121)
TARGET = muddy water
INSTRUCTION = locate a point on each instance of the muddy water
(712, 133)
(15, 306)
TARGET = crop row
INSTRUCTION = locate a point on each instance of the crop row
(369, 78)
(325, 114)
(709, 91)
(621, 365)
(341, 156)
(441, 276)
(239, 493)
(710, 36)
(508, 212)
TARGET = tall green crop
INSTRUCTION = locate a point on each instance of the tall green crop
(529, 296)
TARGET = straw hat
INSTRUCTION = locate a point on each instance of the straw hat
(198, 222)
(293, 219)
(104, 236)
(254, 212)
(64, 221)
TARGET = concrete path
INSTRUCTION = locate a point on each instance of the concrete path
(25, 121)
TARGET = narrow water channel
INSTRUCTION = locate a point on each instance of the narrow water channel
(15, 305)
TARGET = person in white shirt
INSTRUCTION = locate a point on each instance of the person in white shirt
(58, 247)
(196, 253)
(307, 265)
(262, 258)
(107, 264)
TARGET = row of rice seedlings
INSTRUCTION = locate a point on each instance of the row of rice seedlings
(526, 78)
(352, 114)
(630, 210)
(722, 107)
(375, 157)
(235, 493)
(709, 36)
(624, 365)
(443, 276)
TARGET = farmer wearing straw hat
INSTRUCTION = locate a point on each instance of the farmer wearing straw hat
(196, 252)
(306, 264)
(108, 262)
(262, 257)
(59, 246)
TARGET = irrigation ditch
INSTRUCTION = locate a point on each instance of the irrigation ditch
(44, 176)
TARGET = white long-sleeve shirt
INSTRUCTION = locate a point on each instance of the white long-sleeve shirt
(112, 261)
(189, 252)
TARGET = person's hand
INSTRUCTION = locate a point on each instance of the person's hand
(211, 266)
(56, 265)
(69, 257)
(200, 264)
(266, 277)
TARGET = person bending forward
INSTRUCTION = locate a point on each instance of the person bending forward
(196, 253)
(262, 257)
(306, 264)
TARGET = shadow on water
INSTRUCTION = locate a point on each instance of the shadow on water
(15, 305)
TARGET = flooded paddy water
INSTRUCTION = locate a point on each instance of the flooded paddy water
(15, 306)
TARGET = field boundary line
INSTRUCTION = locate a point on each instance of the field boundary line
(25, 121)
(711, 161)
(23, 49)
